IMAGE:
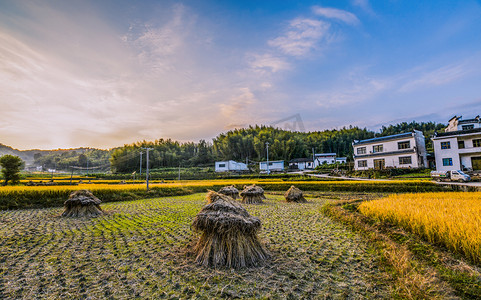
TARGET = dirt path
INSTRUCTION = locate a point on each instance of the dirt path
(135, 251)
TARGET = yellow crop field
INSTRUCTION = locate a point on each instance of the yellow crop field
(451, 218)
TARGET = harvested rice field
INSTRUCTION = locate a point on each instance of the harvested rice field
(137, 250)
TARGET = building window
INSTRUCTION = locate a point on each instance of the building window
(379, 163)
(405, 160)
(404, 145)
(361, 150)
(460, 144)
(447, 161)
(445, 145)
(270, 164)
(221, 165)
(467, 127)
(477, 143)
(362, 163)
(377, 148)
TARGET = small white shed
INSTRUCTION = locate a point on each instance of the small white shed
(276, 165)
(230, 166)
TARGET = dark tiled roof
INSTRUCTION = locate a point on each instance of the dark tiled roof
(298, 160)
(386, 153)
(384, 138)
(457, 132)
(324, 154)
(468, 121)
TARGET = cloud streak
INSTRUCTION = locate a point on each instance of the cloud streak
(336, 14)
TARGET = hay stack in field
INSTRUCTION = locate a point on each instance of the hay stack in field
(228, 235)
(294, 194)
(230, 191)
(252, 194)
(82, 203)
(212, 197)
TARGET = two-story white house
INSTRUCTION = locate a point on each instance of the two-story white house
(459, 147)
(404, 150)
(230, 166)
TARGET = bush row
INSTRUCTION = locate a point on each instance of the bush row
(31, 197)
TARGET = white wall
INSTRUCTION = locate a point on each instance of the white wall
(273, 165)
(453, 153)
(392, 160)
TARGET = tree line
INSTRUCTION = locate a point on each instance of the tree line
(245, 144)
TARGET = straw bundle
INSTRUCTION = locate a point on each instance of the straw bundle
(228, 235)
(252, 194)
(213, 197)
(294, 194)
(230, 191)
(82, 203)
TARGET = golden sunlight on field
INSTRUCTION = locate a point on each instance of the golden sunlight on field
(453, 219)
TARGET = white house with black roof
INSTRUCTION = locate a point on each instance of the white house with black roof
(404, 150)
(459, 147)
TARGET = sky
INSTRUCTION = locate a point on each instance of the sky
(107, 73)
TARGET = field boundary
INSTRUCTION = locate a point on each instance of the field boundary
(21, 197)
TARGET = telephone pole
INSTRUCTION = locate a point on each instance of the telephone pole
(267, 164)
(147, 167)
(140, 173)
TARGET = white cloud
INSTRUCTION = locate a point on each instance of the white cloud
(437, 77)
(268, 63)
(365, 5)
(301, 36)
(334, 13)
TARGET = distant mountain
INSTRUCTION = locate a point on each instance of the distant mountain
(28, 156)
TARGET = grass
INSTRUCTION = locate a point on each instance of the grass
(452, 219)
(419, 269)
(137, 251)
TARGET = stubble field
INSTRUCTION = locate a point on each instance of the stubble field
(137, 250)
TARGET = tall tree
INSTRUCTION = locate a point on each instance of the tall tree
(11, 166)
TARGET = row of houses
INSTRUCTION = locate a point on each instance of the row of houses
(458, 148)
(279, 165)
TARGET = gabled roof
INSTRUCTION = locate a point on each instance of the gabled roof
(298, 160)
(325, 154)
(384, 138)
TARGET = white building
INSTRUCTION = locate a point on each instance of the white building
(230, 166)
(301, 164)
(404, 150)
(459, 147)
(274, 166)
(341, 160)
(324, 158)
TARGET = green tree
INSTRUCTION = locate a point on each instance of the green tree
(11, 166)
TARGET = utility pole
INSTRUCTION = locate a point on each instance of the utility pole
(147, 166)
(267, 164)
(140, 173)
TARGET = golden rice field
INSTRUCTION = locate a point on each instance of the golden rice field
(452, 218)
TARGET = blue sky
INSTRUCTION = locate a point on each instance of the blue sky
(105, 73)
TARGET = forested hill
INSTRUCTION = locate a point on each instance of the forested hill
(250, 143)
(239, 144)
